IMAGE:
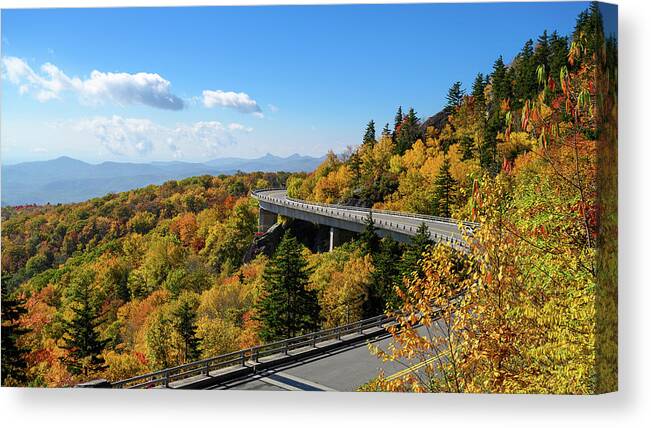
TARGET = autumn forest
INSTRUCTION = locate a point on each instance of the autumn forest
(154, 277)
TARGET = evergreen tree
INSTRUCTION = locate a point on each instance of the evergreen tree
(386, 276)
(558, 57)
(80, 338)
(409, 132)
(13, 356)
(397, 122)
(445, 186)
(500, 82)
(369, 238)
(488, 147)
(409, 263)
(287, 307)
(542, 54)
(467, 148)
(369, 135)
(184, 319)
(454, 97)
(589, 30)
(524, 70)
(386, 131)
(478, 96)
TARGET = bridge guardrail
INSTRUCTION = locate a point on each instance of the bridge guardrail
(330, 209)
(471, 224)
(250, 355)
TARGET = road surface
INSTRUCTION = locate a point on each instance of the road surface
(354, 218)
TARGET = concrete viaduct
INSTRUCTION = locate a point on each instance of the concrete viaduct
(400, 226)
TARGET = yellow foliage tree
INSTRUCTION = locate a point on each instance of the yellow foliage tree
(342, 278)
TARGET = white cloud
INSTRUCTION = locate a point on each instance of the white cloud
(141, 137)
(121, 136)
(120, 88)
(239, 101)
(239, 127)
(273, 108)
(212, 135)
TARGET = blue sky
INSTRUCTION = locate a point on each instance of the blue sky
(143, 84)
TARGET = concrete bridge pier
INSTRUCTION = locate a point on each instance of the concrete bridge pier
(266, 219)
(335, 238)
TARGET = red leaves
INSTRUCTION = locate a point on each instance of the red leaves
(551, 84)
(589, 212)
(142, 358)
(507, 166)
(526, 111)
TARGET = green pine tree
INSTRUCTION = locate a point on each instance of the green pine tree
(500, 82)
(397, 121)
(386, 276)
(369, 135)
(409, 132)
(543, 52)
(524, 71)
(478, 96)
(589, 31)
(13, 355)
(386, 131)
(444, 193)
(184, 316)
(409, 263)
(557, 57)
(467, 148)
(287, 307)
(454, 97)
(488, 146)
(81, 338)
(369, 238)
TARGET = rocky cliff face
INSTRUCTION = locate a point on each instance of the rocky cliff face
(437, 121)
(265, 244)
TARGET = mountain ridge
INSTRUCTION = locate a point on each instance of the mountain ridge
(65, 179)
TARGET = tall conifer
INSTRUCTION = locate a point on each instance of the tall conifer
(369, 135)
(500, 82)
(409, 132)
(287, 307)
(445, 186)
(81, 338)
(13, 355)
(454, 97)
(478, 96)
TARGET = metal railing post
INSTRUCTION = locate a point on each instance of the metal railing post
(167, 378)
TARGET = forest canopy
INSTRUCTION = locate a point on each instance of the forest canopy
(146, 279)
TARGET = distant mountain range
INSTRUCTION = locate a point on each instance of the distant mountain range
(64, 180)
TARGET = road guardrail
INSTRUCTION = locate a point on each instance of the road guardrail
(343, 211)
(164, 377)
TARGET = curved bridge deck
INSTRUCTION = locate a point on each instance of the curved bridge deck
(401, 226)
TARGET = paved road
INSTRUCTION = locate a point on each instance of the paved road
(397, 223)
(342, 370)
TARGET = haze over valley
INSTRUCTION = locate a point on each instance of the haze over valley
(65, 180)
